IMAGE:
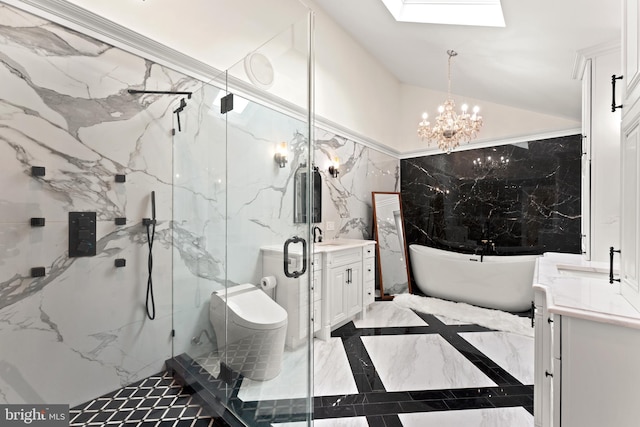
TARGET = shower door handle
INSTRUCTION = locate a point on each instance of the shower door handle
(295, 274)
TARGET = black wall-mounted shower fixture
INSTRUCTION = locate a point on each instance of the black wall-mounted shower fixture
(37, 171)
(37, 272)
(121, 221)
(37, 222)
(159, 92)
(177, 111)
(150, 304)
(82, 234)
(120, 262)
(121, 178)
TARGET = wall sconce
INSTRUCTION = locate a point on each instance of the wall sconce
(281, 154)
(333, 169)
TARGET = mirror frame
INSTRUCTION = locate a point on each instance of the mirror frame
(404, 240)
(300, 196)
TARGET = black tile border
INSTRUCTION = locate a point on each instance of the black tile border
(381, 408)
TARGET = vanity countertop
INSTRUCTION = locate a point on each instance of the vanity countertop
(331, 245)
(571, 292)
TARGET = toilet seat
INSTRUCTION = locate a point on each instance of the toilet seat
(251, 308)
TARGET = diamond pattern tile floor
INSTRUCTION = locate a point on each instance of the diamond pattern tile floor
(155, 401)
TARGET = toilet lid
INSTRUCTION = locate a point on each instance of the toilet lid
(250, 307)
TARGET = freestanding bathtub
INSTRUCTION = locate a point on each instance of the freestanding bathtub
(500, 282)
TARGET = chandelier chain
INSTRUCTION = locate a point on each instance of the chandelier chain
(451, 54)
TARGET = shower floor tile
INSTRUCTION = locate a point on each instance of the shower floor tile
(422, 362)
(157, 400)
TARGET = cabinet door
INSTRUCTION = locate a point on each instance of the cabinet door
(538, 393)
(629, 215)
(630, 53)
(353, 289)
(337, 303)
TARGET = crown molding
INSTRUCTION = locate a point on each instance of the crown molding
(583, 55)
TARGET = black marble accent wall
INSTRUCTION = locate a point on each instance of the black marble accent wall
(512, 199)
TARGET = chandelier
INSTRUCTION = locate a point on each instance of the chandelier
(450, 128)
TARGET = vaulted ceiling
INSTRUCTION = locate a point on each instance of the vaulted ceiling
(527, 64)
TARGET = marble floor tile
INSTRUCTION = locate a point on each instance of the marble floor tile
(382, 314)
(421, 362)
(332, 375)
(513, 352)
(493, 417)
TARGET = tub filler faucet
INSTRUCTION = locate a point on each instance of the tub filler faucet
(317, 238)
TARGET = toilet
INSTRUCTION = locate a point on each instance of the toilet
(255, 333)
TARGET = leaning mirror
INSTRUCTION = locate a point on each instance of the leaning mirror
(392, 260)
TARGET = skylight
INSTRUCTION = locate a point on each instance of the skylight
(486, 13)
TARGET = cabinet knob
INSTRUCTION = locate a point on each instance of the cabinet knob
(547, 374)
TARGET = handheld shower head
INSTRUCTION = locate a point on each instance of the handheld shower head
(153, 205)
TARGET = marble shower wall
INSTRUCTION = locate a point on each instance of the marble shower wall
(81, 330)
(520, 198)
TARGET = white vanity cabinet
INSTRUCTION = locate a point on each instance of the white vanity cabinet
(349, 284)
(369, 276)
(292, 294)
(587, 352)
(547, 364)
(344, 284)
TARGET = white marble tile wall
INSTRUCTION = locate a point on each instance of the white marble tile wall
(81, 330)
(346, 200)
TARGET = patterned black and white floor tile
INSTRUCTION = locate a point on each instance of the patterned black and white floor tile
(155, 401)
(395, 368)
(403, 369)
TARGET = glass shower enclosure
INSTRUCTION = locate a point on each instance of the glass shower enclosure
(238, 254)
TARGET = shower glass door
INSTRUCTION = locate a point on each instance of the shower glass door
(242, 266)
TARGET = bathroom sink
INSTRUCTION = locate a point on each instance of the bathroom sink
(334, 244)
(330, 243)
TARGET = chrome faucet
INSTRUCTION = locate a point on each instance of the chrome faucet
(317, 239)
